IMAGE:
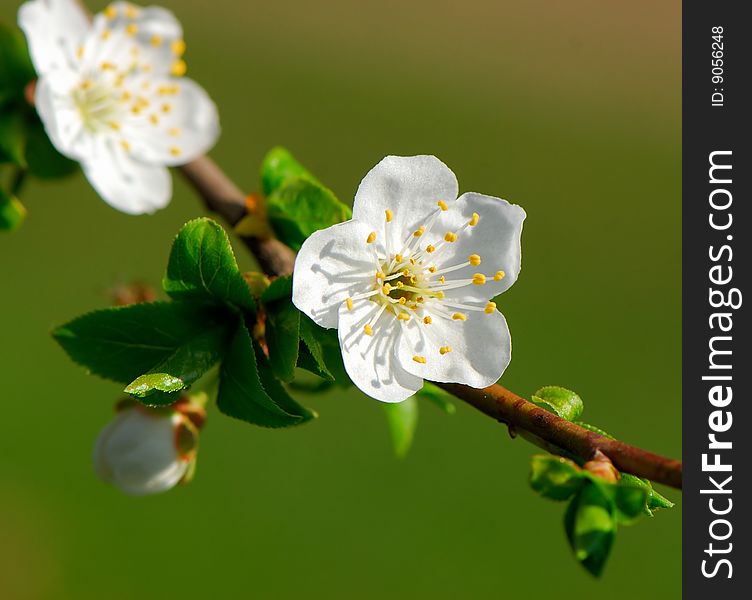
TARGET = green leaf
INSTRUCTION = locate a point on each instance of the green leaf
(277, 167)
(560, 401)
(125, 342)
(300, 207)
(277, 391)
(43, 159)
(202, 267)
(590, 526)
(13, 137)
(278, 289)
(654, 500)
(594, 429)
(241, 394)
(437, 396)
(12, 212)
(16, 69)
(183, 367)
(630, 502)
(402, 418)
(555, 477)
(282, 337)
(320, 352)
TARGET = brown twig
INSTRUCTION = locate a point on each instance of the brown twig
(541, 427)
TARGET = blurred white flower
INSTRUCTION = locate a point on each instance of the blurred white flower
(111, 95)
(402, 280)
(146, 451)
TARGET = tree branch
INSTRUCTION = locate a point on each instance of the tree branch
(543, 428)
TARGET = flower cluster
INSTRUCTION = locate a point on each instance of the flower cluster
(408, 282)
(112, 95)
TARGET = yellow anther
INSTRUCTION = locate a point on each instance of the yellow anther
(479, 279)
(178, 68)
(110, 12)
(430, 248)
(168, 90)
(106, 34)
(368, 330)
(414, 306)
(442, 205)
(474, 219)
(131, 29)
(427, 320)
(432, 269)
(445, 350)
(459, 317)
(153, 119)
(156, 40)
(412, 261)
(419, 359)
(406, 272)
(490, 307)
(420, 299)
(175, 151)
(166, 108)
(439, 295)
(114, 125)
(349, 304)
(380, 275)
(413, 279)
(178, 47)
(389, 215)
(420, 231)
(398, 258)
(400, 284)
(107, 66)
(131, 12)
(80, 52)
(173, 131)
(499, 275)
(474, 259)
(442, 279)
(450, 237)
(126, 96)
(386, 288)
(136, 109)
(403, 316)
(371, 238)
(402, 300)
(126, 146)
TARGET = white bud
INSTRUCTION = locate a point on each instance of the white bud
(143, 451)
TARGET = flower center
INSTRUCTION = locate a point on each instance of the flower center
(97, 103)
(410, 284)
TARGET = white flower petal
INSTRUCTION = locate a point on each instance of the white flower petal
(54, 29)
(410, 187)
(496, 239)
(137, 453)
(480, 349)
(332, 265)
(370, 361)
(177, 129)
(154, 32)
(61, 119)
(126, 184)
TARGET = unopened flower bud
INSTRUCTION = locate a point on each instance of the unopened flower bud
(146, 451)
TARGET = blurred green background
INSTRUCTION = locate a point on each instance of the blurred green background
(571, 110)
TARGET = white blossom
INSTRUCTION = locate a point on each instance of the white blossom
(408, 282)
(112, 95)
(145, 451)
